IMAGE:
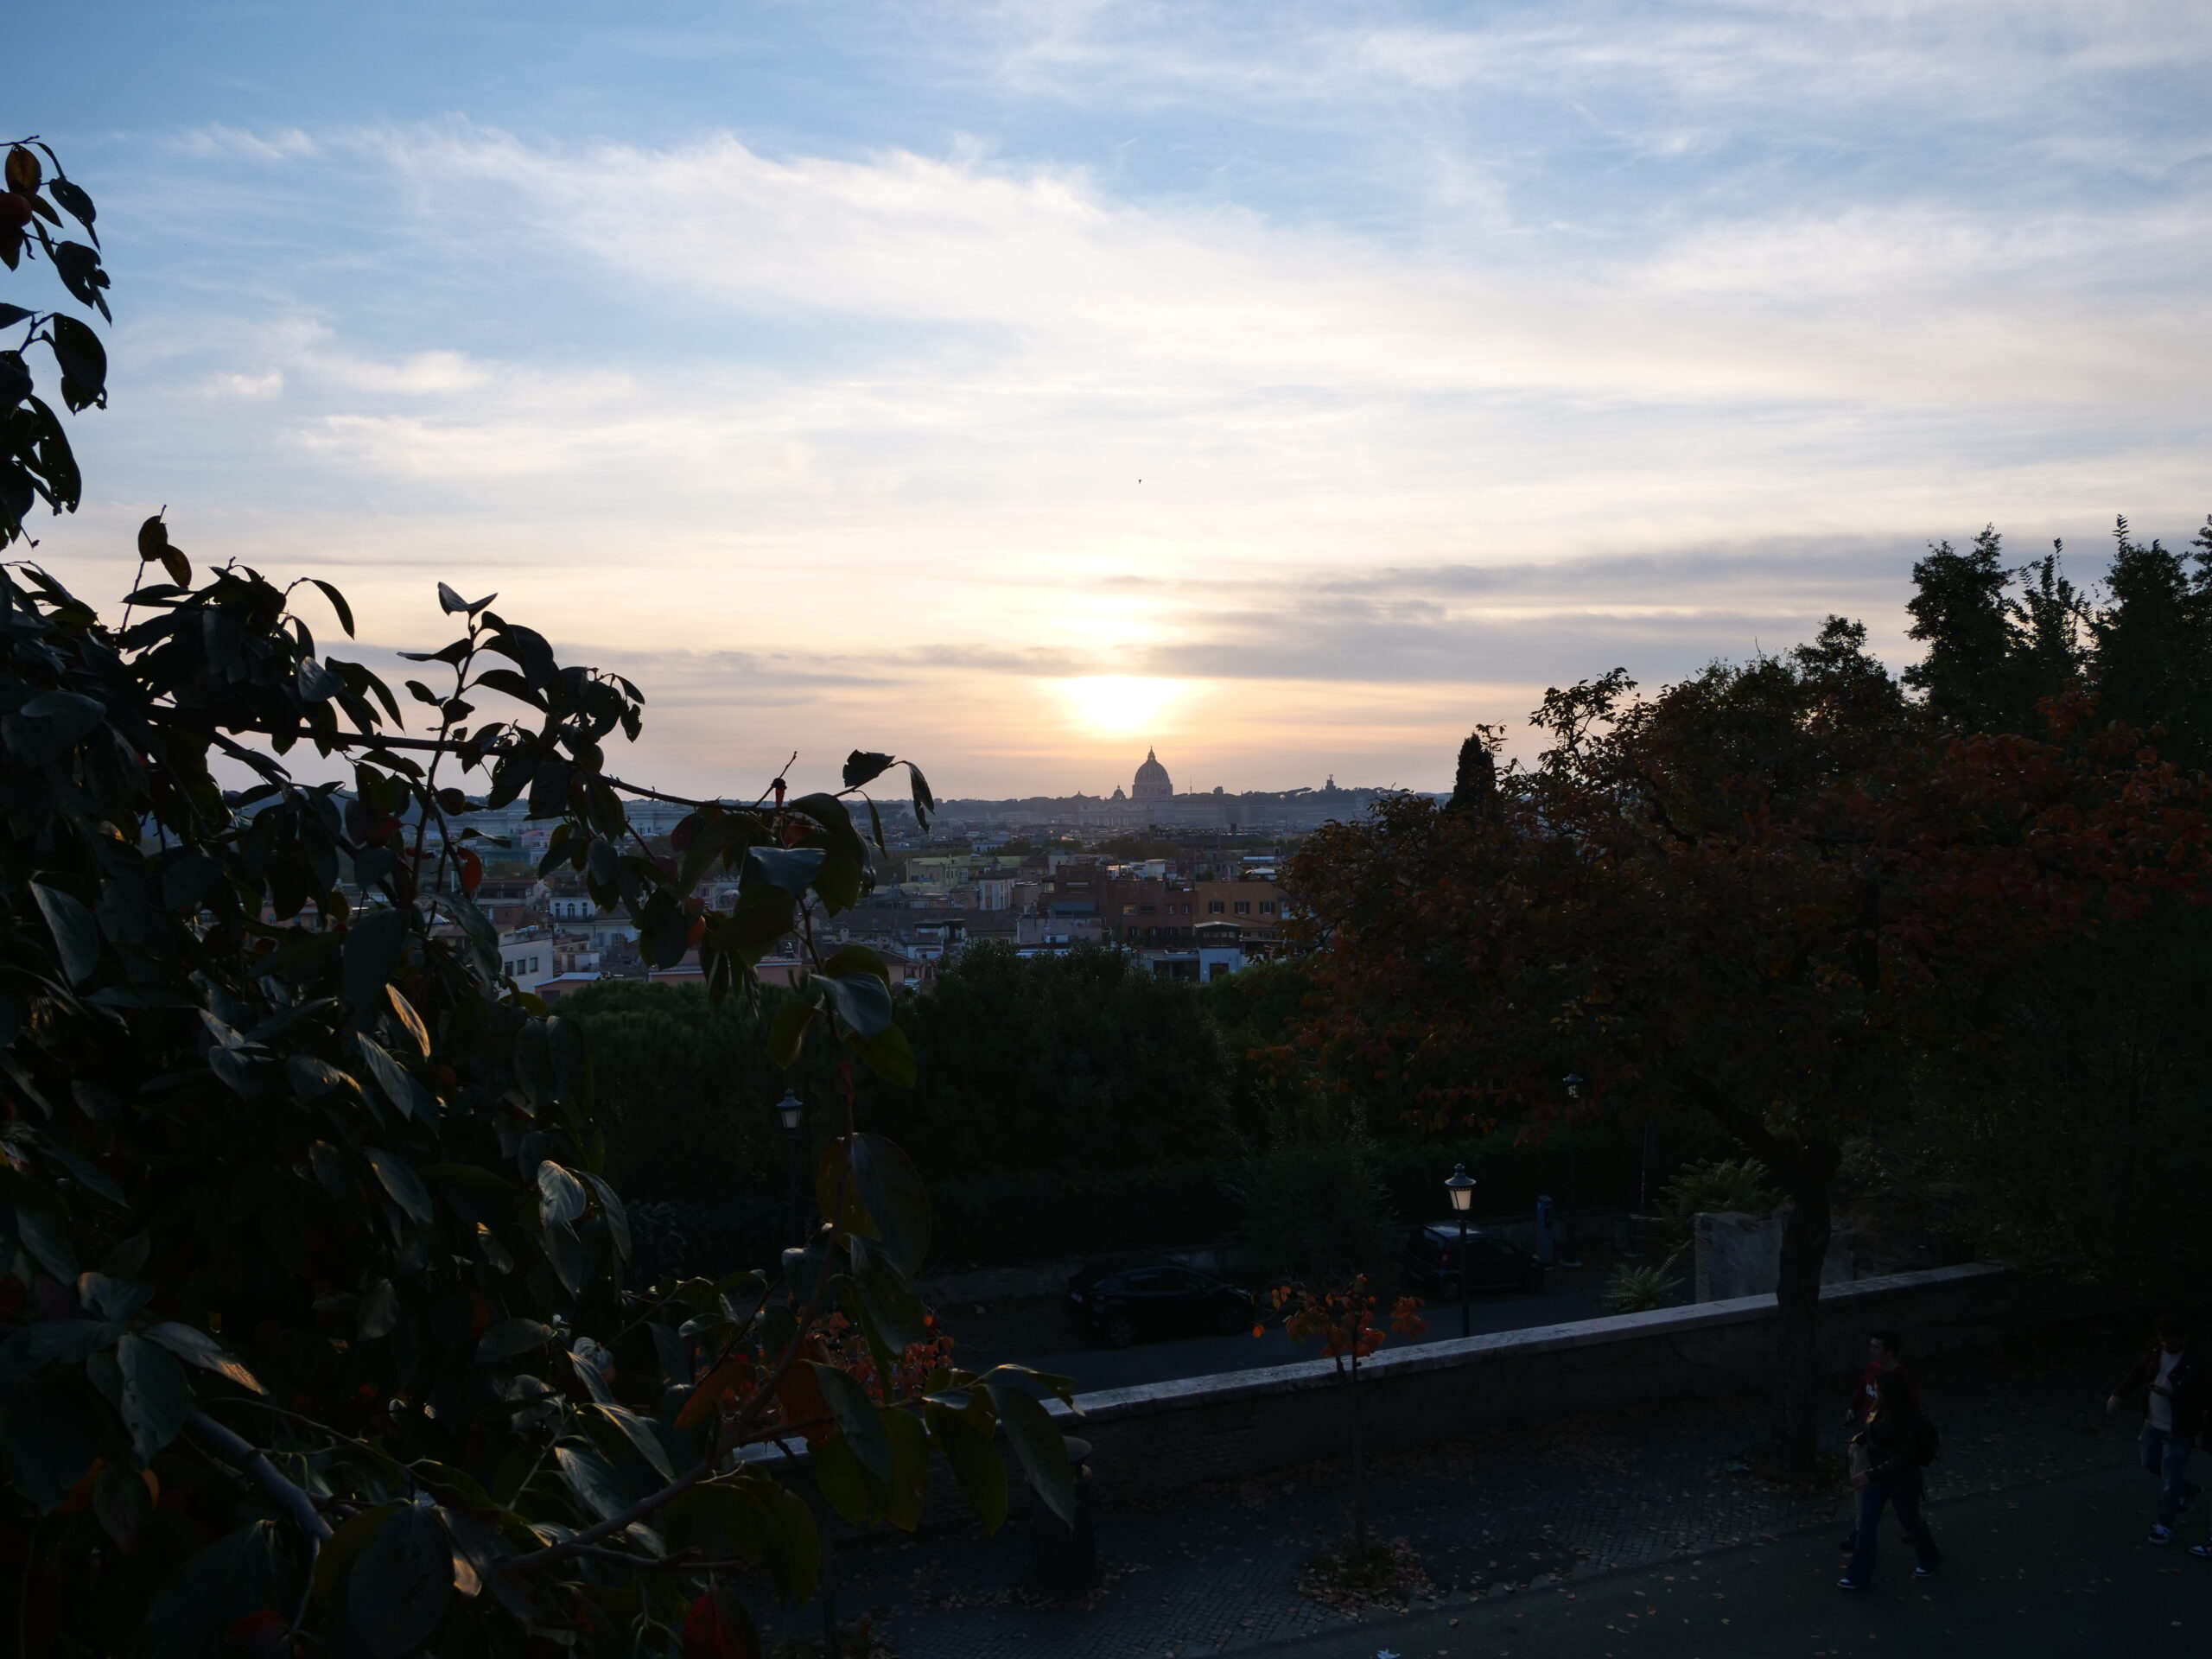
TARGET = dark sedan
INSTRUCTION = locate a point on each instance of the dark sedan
(1121, 1299)
(1429, 1258)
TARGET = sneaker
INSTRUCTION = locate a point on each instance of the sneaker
(2203, 1552)
(2162, 1535)
(1923, 1571)
(1847, 1584)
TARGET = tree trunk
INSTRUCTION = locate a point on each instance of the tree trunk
(1358, 1506)
(1810, 1184)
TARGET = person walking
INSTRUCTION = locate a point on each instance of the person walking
(1884, 1364)
(2171, 1383)
(1887, 1457)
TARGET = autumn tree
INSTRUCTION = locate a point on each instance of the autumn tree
(1763, 895)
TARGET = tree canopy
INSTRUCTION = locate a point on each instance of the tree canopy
(1775, 894)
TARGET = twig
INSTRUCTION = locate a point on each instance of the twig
(246, 1459)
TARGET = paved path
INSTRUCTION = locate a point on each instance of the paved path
(2046, 1571)
(1518, 1528)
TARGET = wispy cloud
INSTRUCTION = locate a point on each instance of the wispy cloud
(1365, 370)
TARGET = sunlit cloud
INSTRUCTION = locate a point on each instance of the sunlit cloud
(1124, 705)
(1079, 369)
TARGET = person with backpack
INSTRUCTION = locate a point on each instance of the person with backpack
(1885, 1365)
(1887, 1456)
(2171, 1384)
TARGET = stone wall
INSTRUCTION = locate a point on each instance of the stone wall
(1741, 1255)
(1165, 1435)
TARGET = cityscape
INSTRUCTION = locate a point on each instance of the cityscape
(685, 975)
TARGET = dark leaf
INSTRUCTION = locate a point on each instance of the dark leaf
(884, 1198)
(640, 1437)
(401, 1181)
(509, 1338)
(76, 204)
(76, 935)
(560, 1195)
(974, 1462)
(889, 1056)
(789, 870)
(787, 1031)
(594, 1483)
(83, 361)
(860, 1001)
(233, 1578)
(155, 1396)
(371, 954)
(864, 767)
(400, 1583)
(857, 1419)
(204, 1351)
(1038, 1443)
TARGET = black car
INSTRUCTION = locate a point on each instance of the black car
(1122, 1298)
(1430, 1257)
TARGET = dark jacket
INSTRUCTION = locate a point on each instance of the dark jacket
(1894, 1443)
(1897, 1384)
(2189, 1383)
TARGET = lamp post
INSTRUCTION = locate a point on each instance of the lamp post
(1460, 1186)
(790, 1111)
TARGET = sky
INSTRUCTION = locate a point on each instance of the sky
(1016, 387)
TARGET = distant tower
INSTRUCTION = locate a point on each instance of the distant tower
(1152, 784)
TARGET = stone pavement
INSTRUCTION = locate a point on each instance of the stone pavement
(1504, 1525)
(2055, 1571)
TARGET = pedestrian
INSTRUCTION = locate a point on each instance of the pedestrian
(1884, 1364)
(2171, 1383)
(1887, 1456)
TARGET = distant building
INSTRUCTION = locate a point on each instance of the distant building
(1151, 803)
(1151, 782)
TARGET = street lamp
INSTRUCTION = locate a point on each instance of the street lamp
(790, 1111)
(1460, 1186)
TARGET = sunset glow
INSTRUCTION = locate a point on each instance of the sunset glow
(1123, 705)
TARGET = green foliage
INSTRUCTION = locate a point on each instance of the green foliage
(690, 1091)
(1079, 1062)
(1257, 1011)
(2069, 1124)
(1643, 1289)
(1317, 1208)
(305, 1226)
(1720, 1186)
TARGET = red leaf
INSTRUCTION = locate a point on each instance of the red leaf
(717, 1628)
(472, 869)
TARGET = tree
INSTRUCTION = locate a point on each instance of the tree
(1341, 1317)
(2153, 645)
(1992, 656)
(316, 1328)
(1080, 1061)
(1765, 894)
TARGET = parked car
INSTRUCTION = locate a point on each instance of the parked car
(1429, 1258)
(1122, 1298)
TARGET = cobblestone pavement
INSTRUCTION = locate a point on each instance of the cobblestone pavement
(1213, 1571)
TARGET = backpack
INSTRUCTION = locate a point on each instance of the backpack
(1931, 1446)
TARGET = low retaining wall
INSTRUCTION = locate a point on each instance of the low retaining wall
(1222, 1427)
(1165, 1435)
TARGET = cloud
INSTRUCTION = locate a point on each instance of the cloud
(1370, 369)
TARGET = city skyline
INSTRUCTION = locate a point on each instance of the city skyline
(1008, 387)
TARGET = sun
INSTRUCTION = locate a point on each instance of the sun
(1118, 705)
